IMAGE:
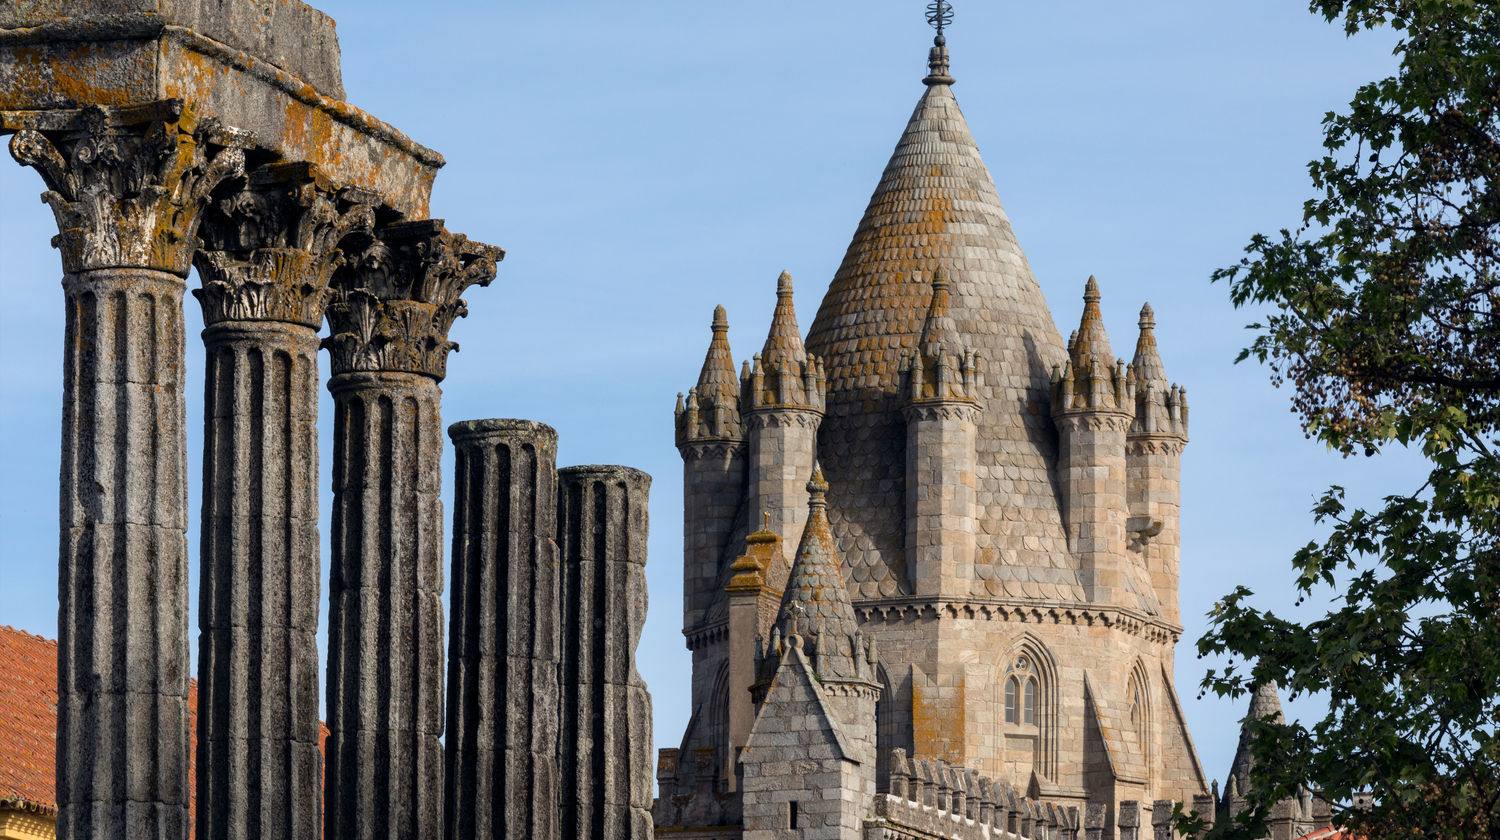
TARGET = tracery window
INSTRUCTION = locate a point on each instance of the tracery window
(1022, 693)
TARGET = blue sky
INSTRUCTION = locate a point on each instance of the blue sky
(642, 162)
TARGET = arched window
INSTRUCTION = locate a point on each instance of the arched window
(1030, 713)
(1021, 692)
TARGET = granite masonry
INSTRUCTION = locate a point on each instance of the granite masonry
(975, 634)
(212, 134)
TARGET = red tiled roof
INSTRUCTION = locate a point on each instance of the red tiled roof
(28, 722)
(1330, 833)
(28, 717)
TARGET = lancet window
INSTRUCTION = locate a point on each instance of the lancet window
(1022, 692)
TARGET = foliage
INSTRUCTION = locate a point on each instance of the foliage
(1383, 307)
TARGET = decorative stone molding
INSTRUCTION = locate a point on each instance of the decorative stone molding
(392, 305)
(128, 185)
(783, 417)
(1022, 612)
(712, 449)
(272, 245)
(963, 411)
(1093, 420)
(707, 634)
(1155, 445)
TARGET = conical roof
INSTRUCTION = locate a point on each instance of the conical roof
(784, 340)
(815, 603)
(1147, 362)
(936, 205)
(718, 376)
(1264, 702)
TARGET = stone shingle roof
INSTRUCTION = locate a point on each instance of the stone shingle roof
(936, 205)
(815, 603)
(1149, 369)
(718, 374)
(1264, 702)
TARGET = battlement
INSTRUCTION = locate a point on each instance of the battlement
(938, 799)
(929, 799)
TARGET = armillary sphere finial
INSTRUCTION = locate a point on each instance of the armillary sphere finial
(939, 15)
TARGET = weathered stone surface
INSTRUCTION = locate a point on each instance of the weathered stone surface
(501, 750)
(270, 68)
(606, 713)
(123, 662)
(291, 35)
(271, 245)
(128, 186)
(384, 772)
(393, 304)
(258, 762)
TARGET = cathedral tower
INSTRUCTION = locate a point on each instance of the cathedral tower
(1001, 511)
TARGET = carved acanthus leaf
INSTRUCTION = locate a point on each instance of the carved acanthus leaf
(271, 247)
(393, 304)
(130, 194)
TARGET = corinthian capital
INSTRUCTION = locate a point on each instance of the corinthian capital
(128, 185)
(393, 302)
(271, 245)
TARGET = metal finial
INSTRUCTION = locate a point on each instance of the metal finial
(939, 15)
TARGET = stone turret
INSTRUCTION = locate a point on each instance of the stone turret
(1153, 468)
(1265, 702)
(711, 440)
(783, 400)
(1093, 403)
(809, 763)
(942, 379)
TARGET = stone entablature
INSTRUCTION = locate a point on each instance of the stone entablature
(272, 71)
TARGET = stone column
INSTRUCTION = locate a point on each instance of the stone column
(389, 317)
(606, 715)
(127, 187)
(273, 247)
(503, 704)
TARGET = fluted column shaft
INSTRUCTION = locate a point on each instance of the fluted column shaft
(606, 717)
(389, 314)
(123, 659)
(385, 634)
(127, 187)
(259, 769)
(501, 748)
(270, 245)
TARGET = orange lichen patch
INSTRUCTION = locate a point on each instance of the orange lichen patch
(936, 205)
(938, 724)
(291, 118)
(72, 75)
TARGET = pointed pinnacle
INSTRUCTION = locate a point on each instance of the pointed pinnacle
(721, 320)
(1148, 318)
(784, 285)
(817, 486)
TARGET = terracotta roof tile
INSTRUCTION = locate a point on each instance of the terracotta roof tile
(28, 720)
